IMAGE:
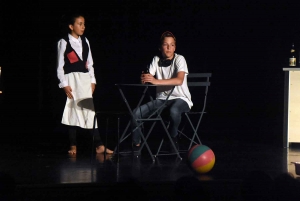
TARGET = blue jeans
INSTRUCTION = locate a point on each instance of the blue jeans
(175, 106)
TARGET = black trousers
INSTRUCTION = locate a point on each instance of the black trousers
(72, 136)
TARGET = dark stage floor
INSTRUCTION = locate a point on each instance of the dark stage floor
(49, 173)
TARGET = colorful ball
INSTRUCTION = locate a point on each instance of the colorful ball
(201, 158)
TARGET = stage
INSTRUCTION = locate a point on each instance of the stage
(49, 173)
(244, 45)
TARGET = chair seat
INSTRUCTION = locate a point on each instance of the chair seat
(195, 112)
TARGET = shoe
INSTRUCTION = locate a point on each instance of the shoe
(171, 148)
(136, 149)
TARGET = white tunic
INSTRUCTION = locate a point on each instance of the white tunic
(78, 111)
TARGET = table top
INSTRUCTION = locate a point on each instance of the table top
(291, 69)
(143, 85)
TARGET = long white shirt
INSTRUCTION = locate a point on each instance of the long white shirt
(76, 44)
(161, 73)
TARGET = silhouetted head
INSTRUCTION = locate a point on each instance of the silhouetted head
(7, 186)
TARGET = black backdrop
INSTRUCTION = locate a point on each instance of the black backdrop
(244, 44)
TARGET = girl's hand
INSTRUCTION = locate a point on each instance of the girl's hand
(93, 87)
(68, 91)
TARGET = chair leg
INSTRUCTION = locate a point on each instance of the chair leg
(195, 132)
(162, 141)
(118, 145)
(195, 138)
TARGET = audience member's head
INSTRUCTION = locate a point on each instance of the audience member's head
(257, 185)
(129, 190)
(190, 188)
(7, 186)
(286, 187)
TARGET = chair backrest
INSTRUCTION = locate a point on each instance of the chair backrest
(199, 80)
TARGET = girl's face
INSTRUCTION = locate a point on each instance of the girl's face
(77, 29)
(168, 47)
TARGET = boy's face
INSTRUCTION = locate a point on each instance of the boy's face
(168, 47)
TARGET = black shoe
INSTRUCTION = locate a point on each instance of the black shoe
(171, 148)
(136, 150)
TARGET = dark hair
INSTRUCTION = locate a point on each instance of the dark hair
(166, 34)
(67, 19)
(72, 18)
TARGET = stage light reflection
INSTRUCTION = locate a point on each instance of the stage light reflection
(77, 170)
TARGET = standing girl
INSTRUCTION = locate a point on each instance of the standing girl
(76, 76)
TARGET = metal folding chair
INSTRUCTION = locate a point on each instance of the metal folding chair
(194, 80)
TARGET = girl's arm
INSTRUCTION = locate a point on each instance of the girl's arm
(61, 47)
(90, 64)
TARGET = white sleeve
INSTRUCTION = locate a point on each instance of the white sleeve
(90, 64)
(181, 65)
(154, 65)
(61, 48)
